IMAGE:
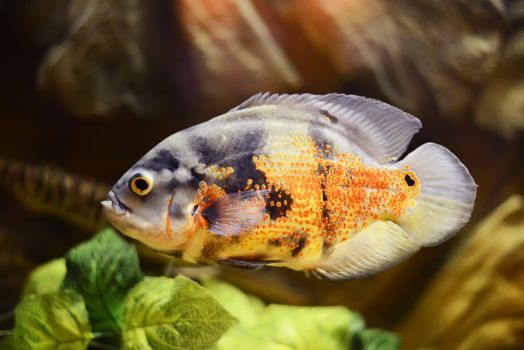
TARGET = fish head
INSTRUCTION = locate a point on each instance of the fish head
(154, 202)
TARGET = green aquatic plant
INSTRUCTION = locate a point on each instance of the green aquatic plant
(97, 297)
(288, 327)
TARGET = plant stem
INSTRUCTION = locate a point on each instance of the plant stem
(98, 345)
(7, 315)
(103, 334)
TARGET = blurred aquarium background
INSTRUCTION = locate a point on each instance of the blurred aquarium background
(88, 86)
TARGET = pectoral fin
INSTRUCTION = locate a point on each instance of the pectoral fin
(379, 246)
(235, 213)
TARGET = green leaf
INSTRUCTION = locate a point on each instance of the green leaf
(51, 321)
(166, 313)
(377, 339)
(46, 278)
(246, 308)
(103, 270)
(283, 327)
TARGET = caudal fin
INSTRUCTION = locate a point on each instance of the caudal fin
(446, 198)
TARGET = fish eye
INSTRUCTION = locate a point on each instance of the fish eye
(140, 184)
(409, 180)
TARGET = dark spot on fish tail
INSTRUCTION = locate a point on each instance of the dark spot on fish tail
(278, 203)
(409, 181)
(331, 117)
(300, 245)
(163, 159)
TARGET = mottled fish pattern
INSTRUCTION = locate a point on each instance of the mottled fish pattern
(307, 182)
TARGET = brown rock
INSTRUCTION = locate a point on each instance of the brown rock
(477, 300)
(153, 57)
(99, 67)
(501, 105)
(234, 50)
(50, 190)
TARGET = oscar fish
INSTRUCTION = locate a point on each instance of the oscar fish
(309, 182)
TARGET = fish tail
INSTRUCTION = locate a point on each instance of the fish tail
(447, 194)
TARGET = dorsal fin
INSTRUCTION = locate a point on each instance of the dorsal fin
(381, 130)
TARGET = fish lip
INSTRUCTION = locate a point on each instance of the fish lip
(115, 204)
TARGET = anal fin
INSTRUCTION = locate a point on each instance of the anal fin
(245, 263)
(379, 246)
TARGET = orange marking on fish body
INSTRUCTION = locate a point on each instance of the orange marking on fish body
(168, 217)
(356, 194)
(332, 199)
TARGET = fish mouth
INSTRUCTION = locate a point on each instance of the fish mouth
(114, 204)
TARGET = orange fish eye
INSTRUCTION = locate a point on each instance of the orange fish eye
(140, 185)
